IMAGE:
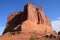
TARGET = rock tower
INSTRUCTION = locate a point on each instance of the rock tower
(31, 20)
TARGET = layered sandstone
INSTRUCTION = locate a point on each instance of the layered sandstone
(36, 21)
(31, 21)
(13, 23)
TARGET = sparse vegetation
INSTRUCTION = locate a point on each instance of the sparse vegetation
(33, 38)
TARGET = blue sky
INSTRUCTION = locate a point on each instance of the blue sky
(51, 9)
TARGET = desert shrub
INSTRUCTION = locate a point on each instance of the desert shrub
(45, 38)
(33, 38)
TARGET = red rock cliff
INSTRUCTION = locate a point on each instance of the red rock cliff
(31, 20)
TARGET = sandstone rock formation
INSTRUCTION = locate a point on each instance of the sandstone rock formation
(36, 20)
(13, 23)
(31, 20)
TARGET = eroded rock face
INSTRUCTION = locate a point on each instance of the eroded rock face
(36, 21)
(13, 23)
(31, 20)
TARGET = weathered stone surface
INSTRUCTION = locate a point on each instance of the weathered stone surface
(36, 21)
(32, 21)
(13, 23)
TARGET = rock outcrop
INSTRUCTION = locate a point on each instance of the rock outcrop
(13, 23)
(59, 33)
(31, 20)
(36, 20)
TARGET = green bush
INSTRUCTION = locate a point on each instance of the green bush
(33, 38)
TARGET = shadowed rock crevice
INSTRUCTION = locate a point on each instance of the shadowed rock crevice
(16, 20)
(15, 23)
(25, 13)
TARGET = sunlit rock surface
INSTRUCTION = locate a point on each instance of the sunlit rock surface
(22, 25)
